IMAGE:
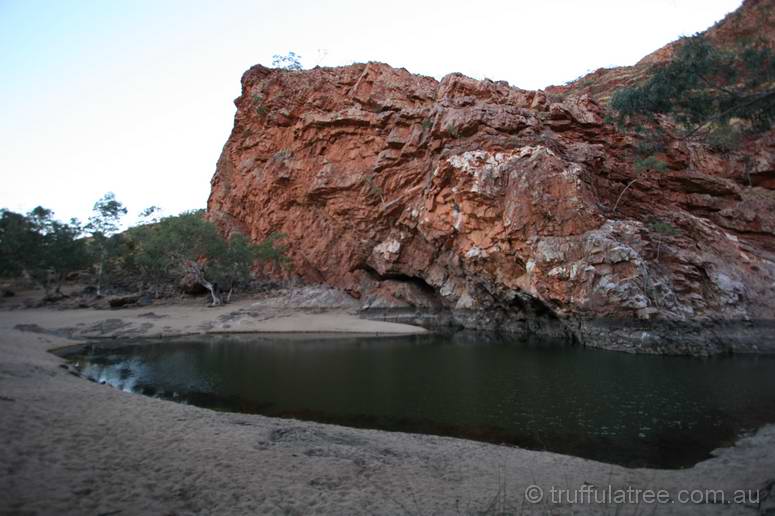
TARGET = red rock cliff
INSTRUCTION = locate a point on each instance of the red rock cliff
(496, 204)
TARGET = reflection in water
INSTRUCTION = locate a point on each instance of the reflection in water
(627, 409)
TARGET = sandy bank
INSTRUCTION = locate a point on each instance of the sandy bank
(244, 316)
(73, 447)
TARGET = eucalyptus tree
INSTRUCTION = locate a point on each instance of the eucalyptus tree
(103, 224)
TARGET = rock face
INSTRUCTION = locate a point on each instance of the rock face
(495, 207)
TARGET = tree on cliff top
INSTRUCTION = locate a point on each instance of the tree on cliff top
(290, 61)
(711, 92)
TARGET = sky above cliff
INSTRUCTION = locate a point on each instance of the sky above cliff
(136, 97)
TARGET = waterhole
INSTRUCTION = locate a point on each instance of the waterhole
(634, 410)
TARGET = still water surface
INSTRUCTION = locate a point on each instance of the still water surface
(635, 410)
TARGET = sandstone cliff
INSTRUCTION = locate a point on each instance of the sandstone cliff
(493, 207)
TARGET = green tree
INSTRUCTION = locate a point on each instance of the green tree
(705, 88)
(41, 248)
(19, 244)
(64, 250)
(103, 224)
(189, 245)
(149, 215)
(714, 95)
(290, 61)
(232, 266)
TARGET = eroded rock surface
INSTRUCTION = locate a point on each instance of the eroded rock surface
(498, 208)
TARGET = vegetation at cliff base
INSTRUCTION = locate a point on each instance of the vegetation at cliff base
(189, 246)
(149, 257)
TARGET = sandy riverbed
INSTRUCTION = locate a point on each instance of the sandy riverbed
(69, 446)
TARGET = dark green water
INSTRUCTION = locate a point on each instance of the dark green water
(628, 409)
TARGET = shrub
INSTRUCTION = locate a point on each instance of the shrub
(663, 228)
(724, 138)
(651, 142)
(650, 163)
(258, 105)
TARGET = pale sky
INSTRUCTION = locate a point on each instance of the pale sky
(136, 97)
